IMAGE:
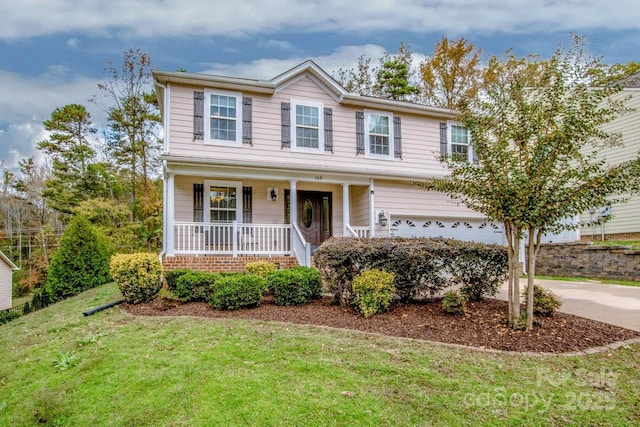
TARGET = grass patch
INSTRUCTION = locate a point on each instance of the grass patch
(586, 279)
(192, 371)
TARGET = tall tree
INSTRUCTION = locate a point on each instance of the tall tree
(393, 78)
(70, 151)
(358, 80)
(536, 129)
(451, 74)
(133, 120)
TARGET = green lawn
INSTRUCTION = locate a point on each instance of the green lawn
(633, 244)
(114, 369)
(586, 279)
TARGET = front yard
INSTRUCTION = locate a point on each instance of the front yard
(116, 369)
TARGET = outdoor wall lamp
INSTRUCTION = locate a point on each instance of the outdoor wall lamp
(382, 220)
(272, 194)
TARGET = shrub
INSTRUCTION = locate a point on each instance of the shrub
(195, 286)
(137, 275)
(261, 268)
(42, 298)
(81, 262)
(373, 291)
(454, 303)
(421, 266)
(7, 316)
(172, 277)
(295, 286)
(545, 302)
(237, 291)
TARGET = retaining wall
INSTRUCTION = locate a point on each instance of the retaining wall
(588, 260)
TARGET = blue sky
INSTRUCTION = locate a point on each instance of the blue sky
(53, 52)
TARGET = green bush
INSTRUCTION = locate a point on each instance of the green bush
(138, 276)
(172, 277)
(42, 298)
(195, 286)
(454, 303)
(373, 291)
(7, 316)
(421, 266)
(81, 262)
(295, 286)
(261, 268)
(545, 302)
(237, 291)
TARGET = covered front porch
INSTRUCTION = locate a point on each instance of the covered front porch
(234, 213)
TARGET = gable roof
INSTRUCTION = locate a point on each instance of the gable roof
(6, 259)
(269, 87)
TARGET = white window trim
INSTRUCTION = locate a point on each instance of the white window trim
(207, 118)
(206, 214)
(367, 144)
(450, 142)
(293, 125)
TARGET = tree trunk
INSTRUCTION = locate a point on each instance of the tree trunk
(513, 252)
(531, 267)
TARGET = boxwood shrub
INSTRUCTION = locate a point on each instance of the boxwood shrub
(172, 277)
(421, 266)
(261, 268)
(137, 275)
(373, 291)
(295, 286)
(237, 291)
(195, 286)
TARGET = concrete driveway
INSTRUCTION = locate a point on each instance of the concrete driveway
(614, 304)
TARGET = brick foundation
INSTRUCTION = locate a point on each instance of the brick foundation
(222, 263)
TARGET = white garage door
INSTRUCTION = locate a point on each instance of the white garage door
(462, 229)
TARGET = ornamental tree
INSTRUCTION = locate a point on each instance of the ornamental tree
(536, 128)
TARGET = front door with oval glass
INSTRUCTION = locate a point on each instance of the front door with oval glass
(314, 215)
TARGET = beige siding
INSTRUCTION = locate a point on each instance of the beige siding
(626, 216)
(5, 285)
(359, 205)
(420, 135)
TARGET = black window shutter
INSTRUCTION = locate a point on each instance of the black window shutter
(286, 124)
(443, 139)
(198, 115)
(328, 129)
(359, 132)
(247, 103)
(198, 202)
(397, 138)
(247, 205)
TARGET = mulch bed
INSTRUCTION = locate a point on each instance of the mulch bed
(483, 326)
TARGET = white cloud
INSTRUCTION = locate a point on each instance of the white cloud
(151, 18)
(73, 43)
(26, 102)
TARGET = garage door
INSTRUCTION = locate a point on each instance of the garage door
(462, 229)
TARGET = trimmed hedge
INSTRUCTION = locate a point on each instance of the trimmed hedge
(195, 286)
(172, 277)
(237, 291)
(137, 275)
(421, 266)
(295, 286)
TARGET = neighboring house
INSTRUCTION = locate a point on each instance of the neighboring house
(274, 168)
(6, 276)
(624, 218)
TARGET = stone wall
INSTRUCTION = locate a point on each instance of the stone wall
(588, 260)
(222, 263)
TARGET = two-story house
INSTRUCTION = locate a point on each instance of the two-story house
(273, 168)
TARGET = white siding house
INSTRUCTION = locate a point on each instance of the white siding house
(6, 272)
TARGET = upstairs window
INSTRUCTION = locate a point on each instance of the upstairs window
(459, 143)
(308, 124)
(223, 117)
(378, 135)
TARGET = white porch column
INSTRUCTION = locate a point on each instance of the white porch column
(293, 202)
(372, 210)
(345, 208)
(169, 215)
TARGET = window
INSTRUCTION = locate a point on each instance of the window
(459, 143)
(223, 117)
(378, 135)
(223, 201)
(307, 133)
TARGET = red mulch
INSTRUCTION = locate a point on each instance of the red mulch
(483, 326)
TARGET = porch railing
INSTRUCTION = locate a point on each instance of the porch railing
(232, 238)
(361, 231)
(301, 249)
